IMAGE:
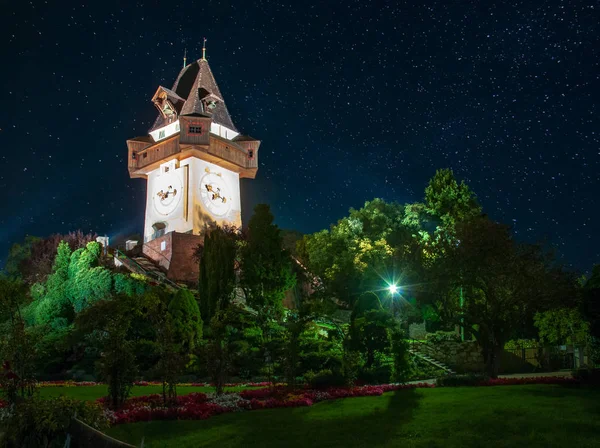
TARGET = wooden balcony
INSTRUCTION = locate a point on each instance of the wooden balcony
(146, 156)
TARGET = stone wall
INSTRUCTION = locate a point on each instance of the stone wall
(460, 356)
(174, 252)
(417, 331)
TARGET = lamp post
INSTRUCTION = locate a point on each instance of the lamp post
(393, 289)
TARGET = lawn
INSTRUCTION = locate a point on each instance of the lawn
(95, 392)
(504, 416)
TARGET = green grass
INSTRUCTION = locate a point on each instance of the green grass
(95, 392)
(505, 416)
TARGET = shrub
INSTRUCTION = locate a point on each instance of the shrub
(376, 375)
(517, 344)
(443, 336)
(589, 377)
(472, 379)
(44, 422)
(324, 379)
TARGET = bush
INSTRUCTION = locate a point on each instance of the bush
(381, 374)
(590, 377)
(44, 422)
(442, 336)
(419, 369)
(324, 379)
(471, 379)
(517, 344)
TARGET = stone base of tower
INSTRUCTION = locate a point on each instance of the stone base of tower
(174, 252)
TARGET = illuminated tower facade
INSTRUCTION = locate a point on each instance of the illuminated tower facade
(193, 159)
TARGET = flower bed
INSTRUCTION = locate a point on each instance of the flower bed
(71, 383)
(68, 383)
(198, 406)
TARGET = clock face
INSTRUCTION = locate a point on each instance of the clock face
(214, 194)
(167, 194)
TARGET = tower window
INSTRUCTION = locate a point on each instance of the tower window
(145, 155)
(250, 154)
(194, 129)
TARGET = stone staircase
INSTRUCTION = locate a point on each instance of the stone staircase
(143, 266)
(427, 358)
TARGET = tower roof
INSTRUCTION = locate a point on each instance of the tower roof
(194, 83)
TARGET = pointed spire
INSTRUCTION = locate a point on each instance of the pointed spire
(184, 57)
(204, 50)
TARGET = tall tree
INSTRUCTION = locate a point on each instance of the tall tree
(107, 324)
(590, 310)
(217, 271)
(503, 282)
(16, 346)
(377, 243)
(266, 270)
(187, 323)
(449, 201)
(266, 274)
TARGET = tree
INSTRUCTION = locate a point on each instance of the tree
(369, 327)
(266, 270)
(217, 271)
(562, 326)
(187, 323)
(107, 323)
(590, 310)
(503, 281)
(379, 240)
(33, 260)
(266, 273)
(448, 201)
(16, 346)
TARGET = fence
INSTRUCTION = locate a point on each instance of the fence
(545, 358)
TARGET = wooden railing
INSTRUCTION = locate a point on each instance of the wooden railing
(142, 155)
(156, 152)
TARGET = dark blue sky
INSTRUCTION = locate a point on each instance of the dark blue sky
(352, 100)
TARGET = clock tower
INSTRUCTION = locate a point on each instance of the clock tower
(192, 159)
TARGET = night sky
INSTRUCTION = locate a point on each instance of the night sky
(352, 100)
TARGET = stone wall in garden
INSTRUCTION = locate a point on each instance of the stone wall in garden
(461, 356)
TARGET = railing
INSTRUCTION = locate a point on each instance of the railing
(218, 147)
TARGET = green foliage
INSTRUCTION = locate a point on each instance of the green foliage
(187, 323)
(380, 238)
(590, 310)
(43, 422)
(266, 270)
(471, 379)
(76, 282)
(448, 200)
(517, 344)
(503, 282)
(111, 321)
(176, 335)
(18, 254)
(16, 345)
(562, 326)
(419, 369)
(400, 357)
(443, 336)
(218, 352)
(130, 284)
(217, 271)
(324, 378)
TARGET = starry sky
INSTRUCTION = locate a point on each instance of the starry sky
(351, 99)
